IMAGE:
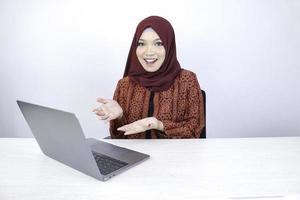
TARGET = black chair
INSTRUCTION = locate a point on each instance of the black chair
(203, 133)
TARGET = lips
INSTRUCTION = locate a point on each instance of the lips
(150, 60)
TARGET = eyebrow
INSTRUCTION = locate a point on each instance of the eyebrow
(153, 40)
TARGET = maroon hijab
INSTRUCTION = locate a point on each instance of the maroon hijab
(163, 78)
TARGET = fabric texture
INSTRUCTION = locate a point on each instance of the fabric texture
(180, 108)
(163, 78)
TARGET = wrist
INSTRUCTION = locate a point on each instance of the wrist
(120, 115)
(160, 125)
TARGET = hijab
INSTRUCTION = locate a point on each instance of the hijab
(164, 77)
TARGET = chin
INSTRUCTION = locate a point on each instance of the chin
(151, 69)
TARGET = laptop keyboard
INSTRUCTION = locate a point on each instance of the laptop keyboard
(107, 164)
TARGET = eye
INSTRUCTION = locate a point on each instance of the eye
(140, 44)
(159, 43)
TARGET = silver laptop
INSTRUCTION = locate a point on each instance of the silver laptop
(60, 137)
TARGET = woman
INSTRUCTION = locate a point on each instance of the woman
(156, 98)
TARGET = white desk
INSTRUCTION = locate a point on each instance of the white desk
(177, 169)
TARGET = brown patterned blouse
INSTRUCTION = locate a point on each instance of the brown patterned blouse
(180, 108)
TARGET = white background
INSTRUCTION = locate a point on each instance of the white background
(64, 54)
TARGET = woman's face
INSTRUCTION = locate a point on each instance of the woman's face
(150, 50)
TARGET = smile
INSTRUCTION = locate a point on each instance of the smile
(150, 60)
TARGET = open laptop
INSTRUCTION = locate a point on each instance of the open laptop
(60, 137)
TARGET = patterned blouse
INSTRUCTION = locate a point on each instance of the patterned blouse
(180, 108)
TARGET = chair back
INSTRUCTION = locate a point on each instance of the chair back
(203, 133)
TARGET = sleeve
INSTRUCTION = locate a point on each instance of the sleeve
(193, 121)
(119, 96)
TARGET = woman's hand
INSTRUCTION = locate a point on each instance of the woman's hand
(108, 110)
(142, 125)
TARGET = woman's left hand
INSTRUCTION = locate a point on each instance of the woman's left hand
(142, 126)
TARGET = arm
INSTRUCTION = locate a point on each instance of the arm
(142, 125)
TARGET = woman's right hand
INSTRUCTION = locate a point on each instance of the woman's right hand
(108, 110)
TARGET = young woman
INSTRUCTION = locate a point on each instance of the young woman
(156, 98)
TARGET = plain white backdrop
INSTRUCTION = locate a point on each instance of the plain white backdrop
(64, 54)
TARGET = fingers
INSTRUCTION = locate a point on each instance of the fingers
(110, 117)
(102, 115)
(124, 128)
(131, 132)
(105, 109)
(128, 130)
(101, 100)
(99, 111)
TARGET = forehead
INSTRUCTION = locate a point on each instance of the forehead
(149, 34)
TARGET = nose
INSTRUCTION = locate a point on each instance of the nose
(149, 51)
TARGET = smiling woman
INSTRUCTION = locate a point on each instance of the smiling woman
(150, 50)
(156, 98)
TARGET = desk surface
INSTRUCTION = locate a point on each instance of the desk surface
(177, 169)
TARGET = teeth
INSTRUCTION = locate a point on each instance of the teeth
(150, 60)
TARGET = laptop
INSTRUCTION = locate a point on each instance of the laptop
(60, 137)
